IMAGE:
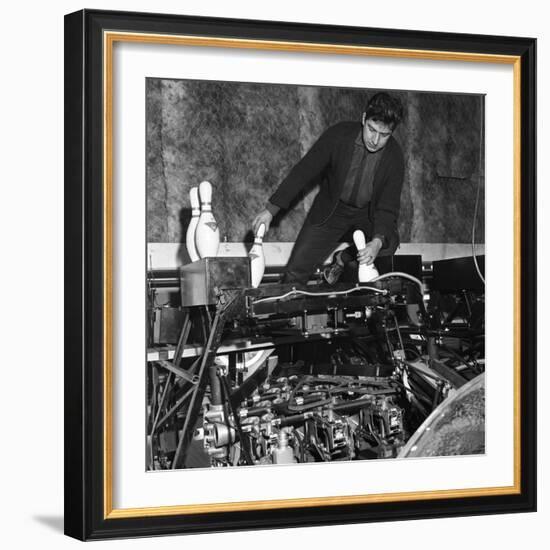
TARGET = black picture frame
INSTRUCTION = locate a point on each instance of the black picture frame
(87, 512)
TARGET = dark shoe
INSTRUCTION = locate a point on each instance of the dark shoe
(332, 272)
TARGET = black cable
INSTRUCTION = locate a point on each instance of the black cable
(482, 111)
(245, 443)
(414, 351)
(458, 357)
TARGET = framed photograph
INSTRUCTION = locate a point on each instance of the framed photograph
(300, 274)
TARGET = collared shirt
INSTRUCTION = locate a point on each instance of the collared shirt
(357, 190)
(359, 183)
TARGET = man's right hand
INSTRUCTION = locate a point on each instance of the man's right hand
(264, 217)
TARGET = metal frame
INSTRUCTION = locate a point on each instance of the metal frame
(89, 39)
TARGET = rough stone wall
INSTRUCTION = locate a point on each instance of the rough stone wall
(244, 138)
(444, 162)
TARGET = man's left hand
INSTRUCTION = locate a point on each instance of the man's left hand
(368, 254)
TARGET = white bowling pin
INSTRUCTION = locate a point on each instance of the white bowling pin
(257, 259)
(366, 272)
(191, 228)
(207, 234)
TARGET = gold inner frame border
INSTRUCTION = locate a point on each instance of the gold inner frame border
(109, 40)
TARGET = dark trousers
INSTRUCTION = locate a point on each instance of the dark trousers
(315, 242)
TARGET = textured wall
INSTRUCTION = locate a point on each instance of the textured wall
(442, 142)
(244, 138)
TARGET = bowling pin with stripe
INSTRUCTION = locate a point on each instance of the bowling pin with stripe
(207, 234)
(257, 258)
(191, 228)
(366, 272)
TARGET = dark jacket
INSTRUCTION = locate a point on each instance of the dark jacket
(328, 161)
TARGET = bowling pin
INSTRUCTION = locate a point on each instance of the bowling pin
(207, 234)
(191, 228)
(257, 259)
(366, 272)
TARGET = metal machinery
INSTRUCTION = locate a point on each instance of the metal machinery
(280, 374)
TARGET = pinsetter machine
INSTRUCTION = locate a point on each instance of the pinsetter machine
(281, 374)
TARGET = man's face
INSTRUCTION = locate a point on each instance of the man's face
(375, 134)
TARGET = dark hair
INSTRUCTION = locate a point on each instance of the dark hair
(382, 107)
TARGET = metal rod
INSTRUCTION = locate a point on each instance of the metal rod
(245, 443)
(225, 306)
(177, 405)
(182, 373)
(182, 340)
(161, 404)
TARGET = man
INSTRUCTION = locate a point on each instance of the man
(360, 169)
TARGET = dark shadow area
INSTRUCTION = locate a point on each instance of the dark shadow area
(184, 218)
(56, 523)
(249, 238)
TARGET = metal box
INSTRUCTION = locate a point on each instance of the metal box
(458, 274)
(200, 281)
(406, 263)
(167, 325)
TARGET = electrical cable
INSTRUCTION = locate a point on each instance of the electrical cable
(403, 276)
(245, 443)
(294, 292)
(398, 332)
(459, 357)
(412, 349)
(477, 194)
